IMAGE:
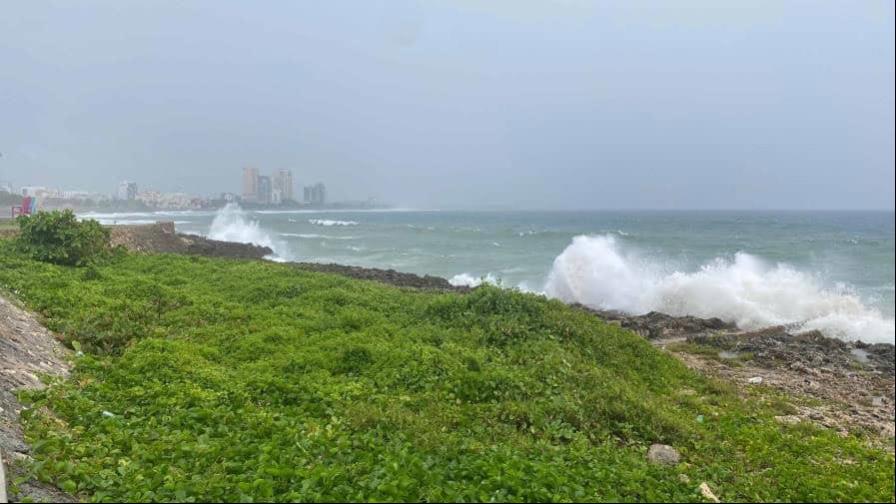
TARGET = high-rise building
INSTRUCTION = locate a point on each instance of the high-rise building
(283, 183)
(250, 184)
(265, 190)
(316, 194)
(127, 191)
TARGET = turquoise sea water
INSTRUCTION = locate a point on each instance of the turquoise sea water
(833, 271)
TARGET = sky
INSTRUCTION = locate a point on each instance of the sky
(692, 104)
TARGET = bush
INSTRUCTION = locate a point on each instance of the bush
(58, 237)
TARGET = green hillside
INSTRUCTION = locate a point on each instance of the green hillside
(223, 380)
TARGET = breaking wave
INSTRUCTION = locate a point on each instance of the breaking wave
(468, 280)
(598, 272)
(232, 224)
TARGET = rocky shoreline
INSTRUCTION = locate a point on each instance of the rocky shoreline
(161, 237)
(771, 346)
(845, 386)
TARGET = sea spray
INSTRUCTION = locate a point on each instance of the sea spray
(468, 280)
(597, 271)
(232, 224)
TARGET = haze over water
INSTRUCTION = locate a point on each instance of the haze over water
(832, 271)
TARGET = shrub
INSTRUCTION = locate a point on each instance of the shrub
(58, 237)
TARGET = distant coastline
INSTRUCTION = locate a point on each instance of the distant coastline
(8, 200)
(130, 206)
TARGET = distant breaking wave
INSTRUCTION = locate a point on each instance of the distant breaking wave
(232, 224)
(330, 222)
(596, 271)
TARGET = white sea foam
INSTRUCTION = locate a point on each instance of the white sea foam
(331, 222)
(232, 224)
(468, 280)
(599, 272)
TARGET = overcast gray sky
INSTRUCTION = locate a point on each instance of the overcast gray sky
(541, 104)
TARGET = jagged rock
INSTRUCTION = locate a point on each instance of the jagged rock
(663, 454)
(656, 325)
(811, 352)
(788, 419)
(161, 237)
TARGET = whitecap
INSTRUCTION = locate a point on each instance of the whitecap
(331, 222)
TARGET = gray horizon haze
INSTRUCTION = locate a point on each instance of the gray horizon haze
(567, 104)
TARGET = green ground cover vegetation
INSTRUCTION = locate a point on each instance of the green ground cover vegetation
(224, 380)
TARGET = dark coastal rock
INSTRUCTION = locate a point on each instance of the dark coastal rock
(197, 245)
(389, 276)
(808, 351)
(656, 325)
(162, 238)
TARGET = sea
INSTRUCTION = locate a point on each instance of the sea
(827, 270)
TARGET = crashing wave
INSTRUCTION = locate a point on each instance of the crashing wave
(232, 224)
(596, 271)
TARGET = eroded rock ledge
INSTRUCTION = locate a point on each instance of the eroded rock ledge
(161, 237)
